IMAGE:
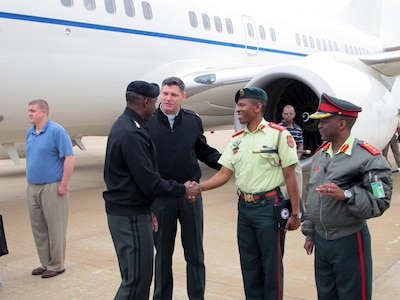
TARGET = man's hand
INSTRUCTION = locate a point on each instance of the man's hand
(63, 189)
(154, 223)
(292, 223)
(192, 190)
(309, 246)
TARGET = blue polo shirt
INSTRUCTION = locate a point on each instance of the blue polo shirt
(45, 152)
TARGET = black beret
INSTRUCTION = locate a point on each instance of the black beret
(330, 106)
(251, 92)
(144, 88)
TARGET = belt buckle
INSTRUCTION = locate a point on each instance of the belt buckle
(248, 197)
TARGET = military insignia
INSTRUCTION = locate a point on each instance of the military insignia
(238, 132)
(317, 168)
(236, 146)
(241, 93)
(344, 148)
(276, 126)
(372, 149)
(290, 141)
(137, 124)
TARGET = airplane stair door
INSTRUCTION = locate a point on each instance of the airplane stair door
(250, 34)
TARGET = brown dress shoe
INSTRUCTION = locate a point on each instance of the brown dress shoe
(38, 271)
(49, 274)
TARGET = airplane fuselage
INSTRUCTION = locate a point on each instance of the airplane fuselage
(81, 60)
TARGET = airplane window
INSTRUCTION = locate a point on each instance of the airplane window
(110, 6)
(67, 3)
(229, 26)
(351, 50)
(147, 13)
(89, 4)
(318, 43)
(218, 24)
(330, 46)
(346, 49)
(250, 30)
(311, 42)
(129, 8)
(262, 32)
(324, 45)
(206, 22)
(272, 34)
(193, 19)
(298, 42)
(305, 41)
(335, 46)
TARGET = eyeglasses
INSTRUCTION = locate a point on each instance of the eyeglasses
(288, 113)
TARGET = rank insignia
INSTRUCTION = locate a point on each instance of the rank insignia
(290, 141)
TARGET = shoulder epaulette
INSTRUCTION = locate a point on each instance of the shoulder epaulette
(324, 145)
(372, 149)
(191, 112)
(276, 126)
(238, 132)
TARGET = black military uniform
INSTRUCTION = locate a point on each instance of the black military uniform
(337, 226)
(130, 173)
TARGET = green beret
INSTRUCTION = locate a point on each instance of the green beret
(143, 88)
(251, 92)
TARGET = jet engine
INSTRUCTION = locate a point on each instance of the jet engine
(301, 82)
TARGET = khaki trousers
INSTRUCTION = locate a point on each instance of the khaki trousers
(49, 217)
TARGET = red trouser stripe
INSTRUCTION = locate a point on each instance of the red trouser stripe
(362, 267)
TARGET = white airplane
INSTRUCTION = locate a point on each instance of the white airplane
(79, 55)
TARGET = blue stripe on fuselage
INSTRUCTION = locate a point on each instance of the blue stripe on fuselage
(36, 19)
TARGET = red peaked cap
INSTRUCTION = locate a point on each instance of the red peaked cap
(330, 106)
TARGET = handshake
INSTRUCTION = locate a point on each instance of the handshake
(192, 190)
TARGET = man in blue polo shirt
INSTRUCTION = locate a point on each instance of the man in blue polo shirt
(49, 166)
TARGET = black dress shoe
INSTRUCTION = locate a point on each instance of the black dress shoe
(49, 274)
(38, 271)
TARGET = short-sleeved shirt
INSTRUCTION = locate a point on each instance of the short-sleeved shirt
(295, 131)
(45, 152)
(256, 173)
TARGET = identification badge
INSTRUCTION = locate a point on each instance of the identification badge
(377, 189)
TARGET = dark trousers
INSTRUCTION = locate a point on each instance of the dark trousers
(261, 247)
(133, 242)
(343, 267)
(190, 216)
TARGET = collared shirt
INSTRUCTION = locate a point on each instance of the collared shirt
(45, 152)
(345, 148)
(171, 117)
(255, 173)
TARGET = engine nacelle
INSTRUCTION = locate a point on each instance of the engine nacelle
(301, 83)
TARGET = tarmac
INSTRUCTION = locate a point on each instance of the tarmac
(91, 263)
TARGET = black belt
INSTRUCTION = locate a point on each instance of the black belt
(258, 196)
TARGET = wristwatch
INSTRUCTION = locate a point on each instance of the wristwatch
(347, 194)
(297, 216)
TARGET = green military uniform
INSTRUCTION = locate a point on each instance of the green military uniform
(261, 244)
(343, 262)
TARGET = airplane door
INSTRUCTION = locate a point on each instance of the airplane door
(250, 34)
